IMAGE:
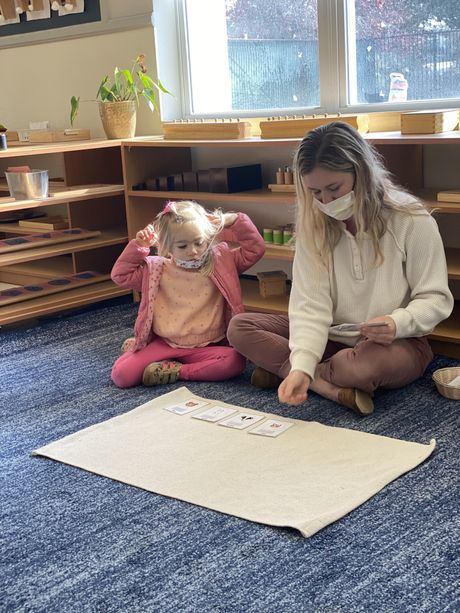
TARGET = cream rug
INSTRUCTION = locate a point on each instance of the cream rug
(257, 466)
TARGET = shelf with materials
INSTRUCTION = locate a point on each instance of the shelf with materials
(86, 188)
(148, 157)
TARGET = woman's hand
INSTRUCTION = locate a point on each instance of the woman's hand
(293, 390)
(146, 237)
(383, 335)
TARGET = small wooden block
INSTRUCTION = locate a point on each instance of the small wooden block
(272, 283)
(276, 187)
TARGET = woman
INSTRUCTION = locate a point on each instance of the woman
(367, 253)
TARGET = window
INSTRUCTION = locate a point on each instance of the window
(276, 57)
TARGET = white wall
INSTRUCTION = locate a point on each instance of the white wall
(38, 78)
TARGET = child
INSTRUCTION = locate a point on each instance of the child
(190, 291)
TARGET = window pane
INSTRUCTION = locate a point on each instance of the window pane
(404, 50)
(271, 49)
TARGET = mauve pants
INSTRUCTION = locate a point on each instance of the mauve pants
(264, 339)
(211, 363)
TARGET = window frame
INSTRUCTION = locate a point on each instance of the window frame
(335, 19)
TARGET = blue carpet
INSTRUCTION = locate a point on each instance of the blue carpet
(76, 542)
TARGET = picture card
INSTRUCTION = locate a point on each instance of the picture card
(271, 427)
(215, 413)
(188, 406)
(241, 421)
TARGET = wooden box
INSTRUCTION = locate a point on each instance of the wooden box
(297, 127)
(272, 283)
(204, 130)
(236, 178)
(429, 122)
(56, 136)
(452, 195)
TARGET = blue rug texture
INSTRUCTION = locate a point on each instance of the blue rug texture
(73, 541)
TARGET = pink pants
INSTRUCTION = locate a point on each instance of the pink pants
(210, 363)
(264, 339)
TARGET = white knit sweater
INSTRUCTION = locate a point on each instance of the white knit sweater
(411, 286)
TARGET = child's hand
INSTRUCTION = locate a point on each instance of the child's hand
(146, 237)
(229, 219)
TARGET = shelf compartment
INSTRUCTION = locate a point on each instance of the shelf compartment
(63, 196)
(55, 303)
(38, 270)
(106, 238)
(254, 302)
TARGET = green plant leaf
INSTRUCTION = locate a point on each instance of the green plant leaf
(74, 106)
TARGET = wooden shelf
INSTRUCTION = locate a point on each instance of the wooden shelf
(449, 330)
(64, 195)
(376, 138)
(251, 196)
(26, 149)
(107, 237)
(56, 303)
(156, 156)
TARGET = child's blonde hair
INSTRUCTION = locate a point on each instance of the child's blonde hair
(181, 212)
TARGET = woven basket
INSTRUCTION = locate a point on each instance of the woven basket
(442, 377)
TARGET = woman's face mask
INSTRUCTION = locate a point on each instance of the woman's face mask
(340, 208)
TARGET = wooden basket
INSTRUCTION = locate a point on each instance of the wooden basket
(442, 377)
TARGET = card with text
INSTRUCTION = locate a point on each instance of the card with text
(271, 427)
(241, 421)
(215, 413)
(188, 406)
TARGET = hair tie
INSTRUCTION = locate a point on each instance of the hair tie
(168, 207)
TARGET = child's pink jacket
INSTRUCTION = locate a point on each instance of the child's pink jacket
(137, 270)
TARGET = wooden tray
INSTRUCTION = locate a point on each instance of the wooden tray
(214, 130)
(45, 238)
(53, 286)
(297, 127)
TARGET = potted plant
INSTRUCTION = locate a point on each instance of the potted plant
(118, 98)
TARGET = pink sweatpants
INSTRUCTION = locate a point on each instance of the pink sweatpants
(210, 363)
(264, 339)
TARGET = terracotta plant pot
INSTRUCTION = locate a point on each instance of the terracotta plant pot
(118, 118)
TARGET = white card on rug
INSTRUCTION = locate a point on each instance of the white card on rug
(271, 427)
(215, 413)
(188, 406)
(241, 421)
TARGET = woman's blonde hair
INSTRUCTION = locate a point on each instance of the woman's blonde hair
(339, 147)
(178, 213)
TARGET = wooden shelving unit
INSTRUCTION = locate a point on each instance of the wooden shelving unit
(90, 194)
(145, 158)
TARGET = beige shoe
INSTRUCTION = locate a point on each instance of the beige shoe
(158, 373)
(128, 344)
(264, 380)
(358, 401)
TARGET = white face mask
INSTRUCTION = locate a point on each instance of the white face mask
(341, 208)
(193, 264)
